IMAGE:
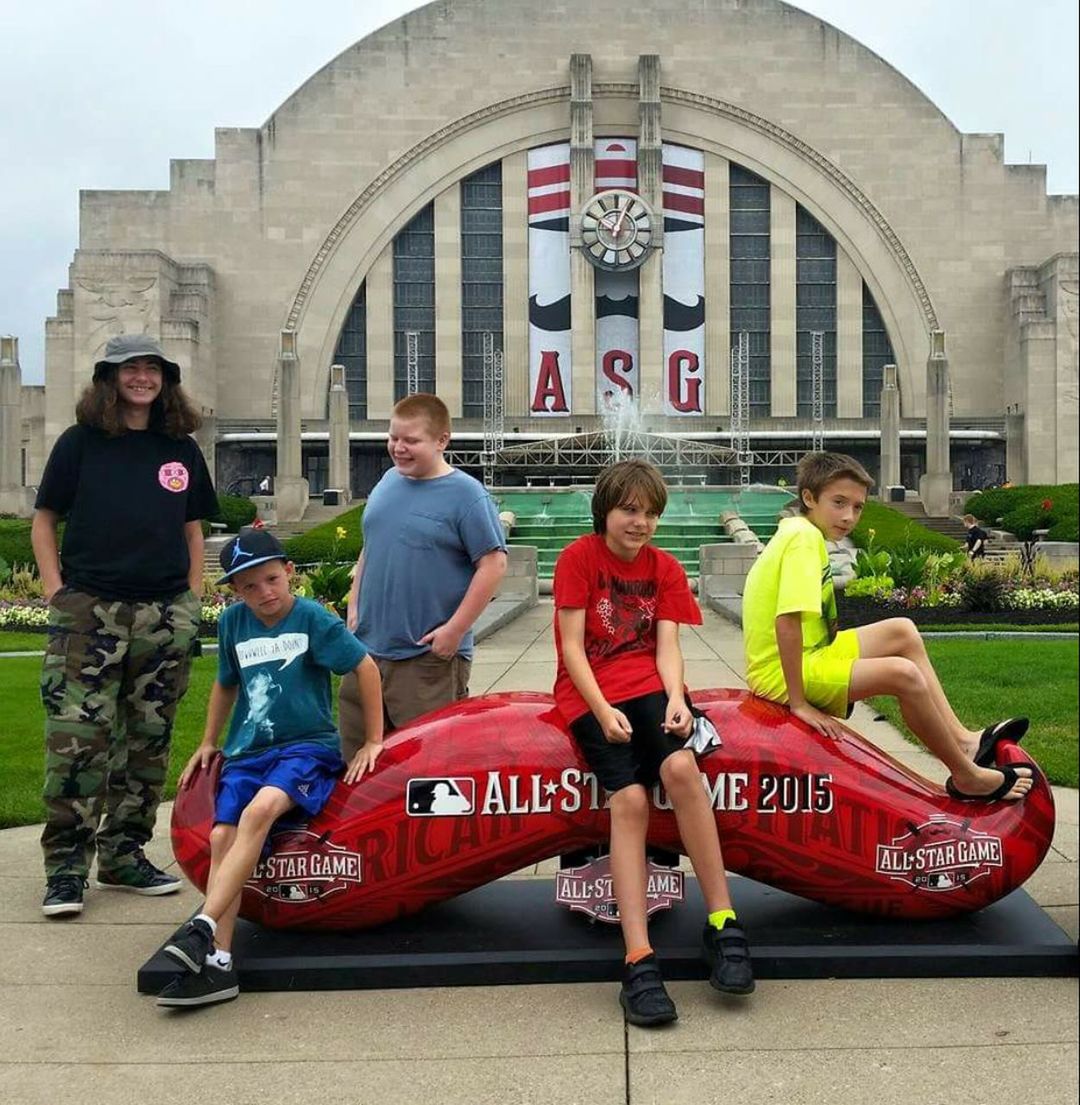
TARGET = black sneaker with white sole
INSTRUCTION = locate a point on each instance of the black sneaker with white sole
(63, 895)
(190, 945)
(210, 986)
(138, 877)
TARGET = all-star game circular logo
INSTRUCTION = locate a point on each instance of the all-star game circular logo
(304, 867)
(939, 855)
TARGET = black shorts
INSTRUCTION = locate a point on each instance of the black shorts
(638, 761)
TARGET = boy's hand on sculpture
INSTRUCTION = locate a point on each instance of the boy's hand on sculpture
(824, 723)
(198, 761)
(616, 726)
(677, 718)
(444, 640)
(363, 761)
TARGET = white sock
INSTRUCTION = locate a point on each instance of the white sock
(206, 920)
(220, 959)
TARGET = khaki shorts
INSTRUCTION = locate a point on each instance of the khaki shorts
(410, 688)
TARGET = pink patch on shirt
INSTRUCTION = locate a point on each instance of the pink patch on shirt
(173, 476)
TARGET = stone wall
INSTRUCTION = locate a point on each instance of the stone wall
(279, 229)
(722, 569)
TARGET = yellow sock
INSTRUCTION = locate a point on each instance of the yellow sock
(718, 918)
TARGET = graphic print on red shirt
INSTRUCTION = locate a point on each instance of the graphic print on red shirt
(623, 601)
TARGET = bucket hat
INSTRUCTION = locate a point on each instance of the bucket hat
(127, 347)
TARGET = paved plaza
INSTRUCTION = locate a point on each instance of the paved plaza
(73, 1028)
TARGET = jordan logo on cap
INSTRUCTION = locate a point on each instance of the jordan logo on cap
(237, 553)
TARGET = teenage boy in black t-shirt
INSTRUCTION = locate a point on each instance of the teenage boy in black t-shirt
(124, 599)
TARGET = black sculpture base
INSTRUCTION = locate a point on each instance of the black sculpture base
(511, 932)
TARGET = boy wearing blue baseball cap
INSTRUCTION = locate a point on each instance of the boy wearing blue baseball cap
(275, 656)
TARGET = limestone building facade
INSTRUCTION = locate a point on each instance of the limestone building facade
(425, 189)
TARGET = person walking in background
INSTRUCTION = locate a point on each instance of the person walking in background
(124, 596)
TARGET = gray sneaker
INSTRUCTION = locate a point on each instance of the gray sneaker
(210, 986)
(63, 895)
(139, 877)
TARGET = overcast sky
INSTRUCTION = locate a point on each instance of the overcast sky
(102, 93)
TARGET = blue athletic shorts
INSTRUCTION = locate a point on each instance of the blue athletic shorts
(306, 771)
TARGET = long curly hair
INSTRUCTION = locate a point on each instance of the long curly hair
(172, 412)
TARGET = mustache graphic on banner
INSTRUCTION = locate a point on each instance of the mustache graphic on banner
(551, 316)
(560, 224)
(683, 316)
(627, 307)
(671, 224)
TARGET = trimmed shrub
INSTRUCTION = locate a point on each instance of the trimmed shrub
(1062, 517)
(1025, 519)
(15, 541)
(235, 511)
(323, 543)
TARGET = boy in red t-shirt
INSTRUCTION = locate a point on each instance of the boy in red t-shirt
(618, 605)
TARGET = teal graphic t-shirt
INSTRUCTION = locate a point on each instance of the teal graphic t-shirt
(283, 673)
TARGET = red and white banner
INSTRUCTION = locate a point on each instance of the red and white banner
(549, 281)
(617, 344)
(683, 387)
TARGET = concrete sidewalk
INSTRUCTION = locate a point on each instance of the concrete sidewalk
(72, 1027)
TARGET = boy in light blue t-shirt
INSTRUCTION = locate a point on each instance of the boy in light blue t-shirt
(275, 656)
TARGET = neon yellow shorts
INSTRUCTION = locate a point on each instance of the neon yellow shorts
(826, 675)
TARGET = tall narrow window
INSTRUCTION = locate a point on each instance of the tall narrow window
(877, 352)
(351, 352)
(815, 309)
(749, 202)
(414, 301)
(481, 280)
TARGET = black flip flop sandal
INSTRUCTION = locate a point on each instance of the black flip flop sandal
(1011, 776)
(1012, 729)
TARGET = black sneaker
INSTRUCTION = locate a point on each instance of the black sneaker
(139, 877)
(644, 1000)
(63, 895)
(211, 985)
(728, 954)
(190, 945)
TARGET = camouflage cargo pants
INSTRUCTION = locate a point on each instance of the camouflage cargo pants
(112, 677)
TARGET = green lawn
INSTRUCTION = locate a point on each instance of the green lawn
(22, 757)
(990, 680)
(12, 640)
(1002, 627)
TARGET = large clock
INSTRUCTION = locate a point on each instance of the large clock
(616, 230)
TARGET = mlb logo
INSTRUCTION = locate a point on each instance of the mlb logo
(442, 797)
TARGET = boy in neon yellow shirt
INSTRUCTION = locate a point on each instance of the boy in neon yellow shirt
(795, 655)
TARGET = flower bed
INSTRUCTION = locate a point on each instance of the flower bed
(860, 611)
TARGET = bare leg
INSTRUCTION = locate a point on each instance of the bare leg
(238, 861)
(629, 820)
(222, 838)
(899, 637)
(697, 827)
(902, 679)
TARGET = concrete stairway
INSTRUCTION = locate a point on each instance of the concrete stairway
(1000, 545)
(948, 526)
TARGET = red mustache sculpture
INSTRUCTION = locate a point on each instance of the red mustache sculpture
(492, 784)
